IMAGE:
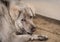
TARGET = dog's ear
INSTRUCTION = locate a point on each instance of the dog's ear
(14, 11)
(32, 9)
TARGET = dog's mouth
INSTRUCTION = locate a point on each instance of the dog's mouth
(33, 29)
(20, 33)
(30, 33)
(23, 31)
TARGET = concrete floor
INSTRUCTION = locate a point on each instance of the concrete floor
(49, 27)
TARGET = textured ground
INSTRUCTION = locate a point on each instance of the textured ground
(49, 27)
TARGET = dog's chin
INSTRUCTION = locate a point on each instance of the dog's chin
(30, 33)
(19, 33)
(23, 31)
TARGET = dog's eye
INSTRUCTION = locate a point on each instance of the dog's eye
(31, 16)
(23, 20)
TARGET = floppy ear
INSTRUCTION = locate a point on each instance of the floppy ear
(14, 11)
(31, 7)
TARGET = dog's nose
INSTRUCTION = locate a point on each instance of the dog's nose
(33, 28)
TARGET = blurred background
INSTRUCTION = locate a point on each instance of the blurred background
(48, 8)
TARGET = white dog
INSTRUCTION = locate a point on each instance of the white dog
(17, 22)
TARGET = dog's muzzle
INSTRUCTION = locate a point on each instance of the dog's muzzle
(33, 29)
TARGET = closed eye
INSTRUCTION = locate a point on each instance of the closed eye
(31, 16)
(23, 20)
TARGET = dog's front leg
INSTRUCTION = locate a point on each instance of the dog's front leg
(21, 38)
(25, 38)
(39, 37)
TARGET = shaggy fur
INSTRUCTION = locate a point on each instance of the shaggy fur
(16, 23)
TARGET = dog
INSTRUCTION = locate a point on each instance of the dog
(16, 22)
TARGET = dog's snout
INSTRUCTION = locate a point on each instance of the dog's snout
(33, 28)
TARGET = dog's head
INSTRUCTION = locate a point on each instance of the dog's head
(23, 18)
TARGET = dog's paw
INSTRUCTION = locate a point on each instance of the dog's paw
(43, 38)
